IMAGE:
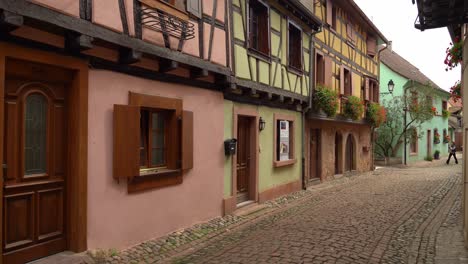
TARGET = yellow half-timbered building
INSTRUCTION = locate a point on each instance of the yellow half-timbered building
(346, 60)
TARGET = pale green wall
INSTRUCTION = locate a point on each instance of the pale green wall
(436, 122)
(269, 176)
(227, 159)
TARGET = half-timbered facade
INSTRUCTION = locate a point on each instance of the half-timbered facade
(271, 63)
(346, 59)
(112, 121)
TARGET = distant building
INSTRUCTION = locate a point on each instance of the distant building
(408, 79)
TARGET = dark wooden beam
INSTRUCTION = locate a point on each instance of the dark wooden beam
(167, 65)
(75, 42)
(27, 9)
(129, 56)
(198, 73)
(10, 21)
(266, 88)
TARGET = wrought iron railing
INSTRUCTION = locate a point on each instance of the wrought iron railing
(167, 23)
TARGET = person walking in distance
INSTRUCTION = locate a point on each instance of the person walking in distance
(452, 150)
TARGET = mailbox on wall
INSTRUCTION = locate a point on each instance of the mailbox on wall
(230, 146)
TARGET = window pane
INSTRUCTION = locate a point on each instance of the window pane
(35, 134)
(157, 157)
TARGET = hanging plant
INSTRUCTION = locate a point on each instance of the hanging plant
(327, 100)
(436, 138)
(455, 91)
(454, 54)
(354, 108)
(376, 114)
(446, 139)
(445, 113)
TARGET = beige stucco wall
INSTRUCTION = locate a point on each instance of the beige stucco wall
(117, 219)
(328, 129)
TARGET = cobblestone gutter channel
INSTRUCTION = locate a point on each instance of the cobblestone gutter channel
(388, 216)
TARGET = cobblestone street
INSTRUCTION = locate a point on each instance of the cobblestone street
(389, 216)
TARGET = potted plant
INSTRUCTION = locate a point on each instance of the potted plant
(455, 91)
(445, 114)
(436, 137)
(446, 139)
(326, 99)
(434, 110)
(437, 154)
(353, 108)
(376, 114)
(454, 54)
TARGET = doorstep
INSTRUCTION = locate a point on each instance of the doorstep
(66, 257)
(248, 208)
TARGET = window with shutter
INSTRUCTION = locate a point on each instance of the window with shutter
(329, 8)
(258, 27)
(194, 8)
(153, 142)
(371, 46)
(295, 47)
(319, 69)
(347, 82)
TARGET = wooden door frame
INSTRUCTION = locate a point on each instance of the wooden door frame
(429, 143)
(253, 174)
(77, 159)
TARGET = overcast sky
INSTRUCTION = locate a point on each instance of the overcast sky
(425, 50)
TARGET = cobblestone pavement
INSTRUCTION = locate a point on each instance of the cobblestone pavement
(392, 215)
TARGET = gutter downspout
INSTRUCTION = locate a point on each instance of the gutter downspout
(309, 105)
(372, 166)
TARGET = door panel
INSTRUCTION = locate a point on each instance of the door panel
(19, 218)
(243, 158)
(35, 157)
(314, 153)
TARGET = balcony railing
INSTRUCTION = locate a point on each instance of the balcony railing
(167, 23)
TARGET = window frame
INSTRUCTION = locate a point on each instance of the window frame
(292, 158)
(444, 105)
(334, 18)
(346, 69)
(322, 64)
(249, 43)
(149, 146)
(301, 50)
(414, 137)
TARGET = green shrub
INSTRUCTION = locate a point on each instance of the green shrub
(376, 114)
(327, 100)
(445, 113)
(353, 108)
(428, 158)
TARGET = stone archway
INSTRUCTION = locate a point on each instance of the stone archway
(350, 153)
(338, 153)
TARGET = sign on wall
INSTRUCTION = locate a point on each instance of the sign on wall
(283, 140)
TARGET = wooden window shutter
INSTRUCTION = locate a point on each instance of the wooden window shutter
(329, 12)
(366, 88)
(328, 71)
(194, 7)
(352, 82)
(187, 140)
(126, 162)
(371, 46)
(342, 80)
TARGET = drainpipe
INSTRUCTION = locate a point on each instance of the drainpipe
(372, 166)
(309, 105)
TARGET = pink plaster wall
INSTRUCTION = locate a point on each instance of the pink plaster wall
(70, 7)
(208, 9)
(117, 219)
(218, 53)
(107, 13)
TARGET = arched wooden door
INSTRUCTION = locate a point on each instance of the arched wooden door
(338, 153)
(349, 154)
(35, 172)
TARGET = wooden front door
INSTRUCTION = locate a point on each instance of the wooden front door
(429, 144)
(314, 154)
(243, 158)
(338, 154)
(35, 169)
(349, 160)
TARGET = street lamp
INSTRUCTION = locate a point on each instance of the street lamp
(390, 86)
